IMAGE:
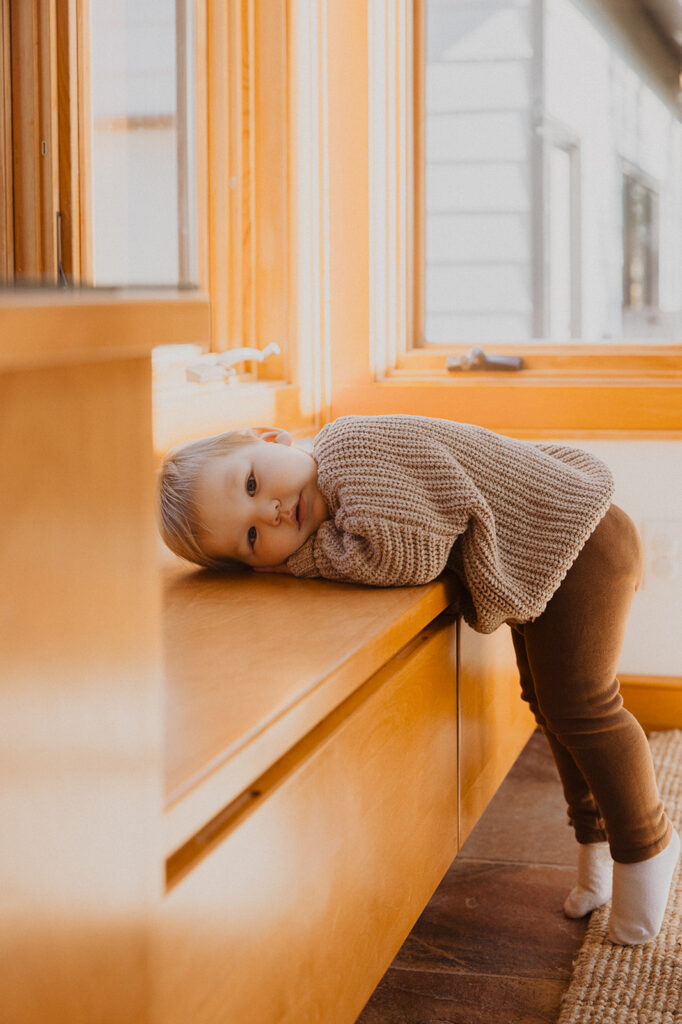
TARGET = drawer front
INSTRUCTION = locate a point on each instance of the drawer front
(301, 902)
(495, 724)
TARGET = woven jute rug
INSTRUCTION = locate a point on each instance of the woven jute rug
(635, 984)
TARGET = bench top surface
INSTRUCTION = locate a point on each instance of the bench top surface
(254, 661)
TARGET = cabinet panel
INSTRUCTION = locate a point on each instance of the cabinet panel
(79, 727)
(299, 906)
(495, 724)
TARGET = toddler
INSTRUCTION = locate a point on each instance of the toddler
(532, 535)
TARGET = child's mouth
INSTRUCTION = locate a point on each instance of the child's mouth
(300, 511)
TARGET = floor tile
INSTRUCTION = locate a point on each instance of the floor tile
(416, 997)
(504, 919)
(526, 820)
(493, 944)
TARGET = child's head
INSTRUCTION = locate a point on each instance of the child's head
(243, 496)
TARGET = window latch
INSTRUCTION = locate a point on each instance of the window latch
(222, 367)
(476, 359)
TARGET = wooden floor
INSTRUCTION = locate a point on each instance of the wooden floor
(493, 945)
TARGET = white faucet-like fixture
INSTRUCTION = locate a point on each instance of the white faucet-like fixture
(222, 366)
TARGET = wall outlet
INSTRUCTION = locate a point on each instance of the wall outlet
(662, 540)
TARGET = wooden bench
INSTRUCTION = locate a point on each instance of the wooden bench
(325, 761)
(315, 789)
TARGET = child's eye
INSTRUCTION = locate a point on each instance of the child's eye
(251, 484)
(252, 534)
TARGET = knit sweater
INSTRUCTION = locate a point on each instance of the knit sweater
(409, 496)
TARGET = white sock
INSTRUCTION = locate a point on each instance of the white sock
(595, 875)
(640, 896)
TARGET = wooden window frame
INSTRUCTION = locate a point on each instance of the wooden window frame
(263, 233)
(572, 390)
(48, 112)
(350, 250)
(44, 100)
(31, 110)
(248, 129)
(237, 128)
(6, 172)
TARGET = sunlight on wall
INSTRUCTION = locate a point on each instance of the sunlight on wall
(649, 489)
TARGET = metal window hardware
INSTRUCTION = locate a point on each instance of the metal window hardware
(476, 359)
(222, 367)
(62, 279)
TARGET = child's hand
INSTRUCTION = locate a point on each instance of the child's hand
(273, 568)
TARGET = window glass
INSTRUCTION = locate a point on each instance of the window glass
(563, 301)
(550, 153)
(142, 142)
(640, 245)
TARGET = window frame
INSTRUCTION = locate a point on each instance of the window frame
(50, 325)
(6, 174)
(571, 390)
(350, 258)
(292, 390)
(235, 123)
(31, 109)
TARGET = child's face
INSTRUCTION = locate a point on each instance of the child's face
(260, 502)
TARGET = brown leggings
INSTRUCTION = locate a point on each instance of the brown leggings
(567, 659)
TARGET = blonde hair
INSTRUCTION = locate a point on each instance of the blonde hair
(177, 512)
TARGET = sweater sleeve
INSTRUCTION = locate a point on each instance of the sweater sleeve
(398, 501)
(377, 552)
(302, 562)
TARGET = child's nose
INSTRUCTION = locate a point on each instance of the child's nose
(272, 512)
(276, 514)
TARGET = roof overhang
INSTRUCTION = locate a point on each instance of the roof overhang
(667, 15)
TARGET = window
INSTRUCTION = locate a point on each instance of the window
(46, 221)
(103, 157)
(479, 176)
(640, 252)
(379, 361)
(142, 155)
(147, 146)
(562, 317)
(529, 110)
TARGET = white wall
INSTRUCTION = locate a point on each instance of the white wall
(648, 477)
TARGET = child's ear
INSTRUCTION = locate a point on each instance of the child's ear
(275, 434)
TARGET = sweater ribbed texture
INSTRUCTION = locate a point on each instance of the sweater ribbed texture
(409, 496)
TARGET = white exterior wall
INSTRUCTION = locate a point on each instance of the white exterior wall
(605, 100)
(478, 187)
(601, 94)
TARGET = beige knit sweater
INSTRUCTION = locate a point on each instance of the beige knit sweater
(409, 496)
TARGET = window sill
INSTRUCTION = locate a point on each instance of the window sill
(51, 326)
(523, 405)
(578, 362)
(184, 410)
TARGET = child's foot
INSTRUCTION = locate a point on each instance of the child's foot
(595, 876)
(640, 896)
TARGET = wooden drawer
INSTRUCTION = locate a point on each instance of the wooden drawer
(292, 904)
(495, 724)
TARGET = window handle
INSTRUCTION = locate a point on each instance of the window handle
(476, 359)
(221, 367)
